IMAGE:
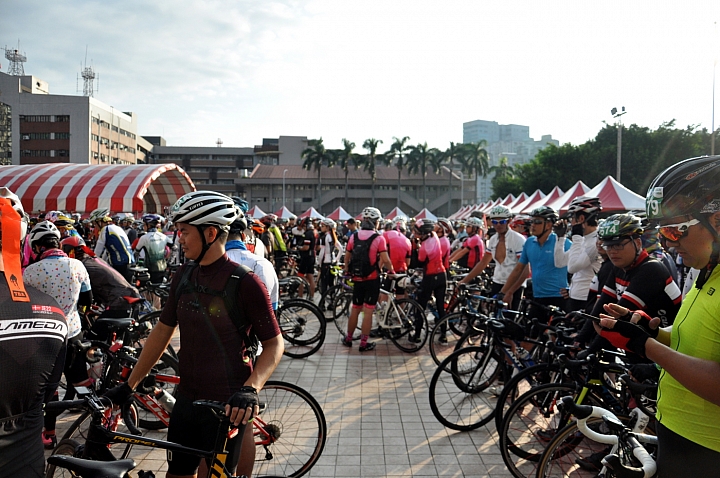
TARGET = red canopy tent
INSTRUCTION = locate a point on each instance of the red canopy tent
(458, 214)
(518, 200)
(285, 213)
(534, 197)
(255, 212)
(395, 213)
(475, 207)
(561, 204)
(339, 214)
(312, 212)
(509, 199)
(616, 197)
(553, 195)
(490, 205)
(425, 214)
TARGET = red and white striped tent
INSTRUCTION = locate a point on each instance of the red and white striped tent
(615, 196)
(84, 187)
(561, 204)
(256, 213)
(534, 197)
(285, 213)
(397, 212)
(339, 214)
(425, 214)
(552, 195)
(519, 200)
(312, 212)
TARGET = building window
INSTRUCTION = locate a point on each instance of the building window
(63, 152)
(62, 118)
(35, 118)
(62, 135)
(34, 152)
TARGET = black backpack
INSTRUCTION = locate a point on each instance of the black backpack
(229, 295)
(360, 265)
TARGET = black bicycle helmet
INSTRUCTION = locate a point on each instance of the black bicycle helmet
(620, 226)
(585, 205)
(545, 212)
(424, 226)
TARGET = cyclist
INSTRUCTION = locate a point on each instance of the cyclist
(152, 245)
(113, 241)
(214, 365)
(504, 247)
(399, 249)
(306, 268)
(330, 251)
(67, 281)
(685, 201)
(238, 253)
(367, 287)
(32, 361)
(543, 253)
(444, 232)
(582, 260)
(434, 281)
(274, 237)
(473, 248)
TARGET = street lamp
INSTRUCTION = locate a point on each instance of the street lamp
(617, 114)
(285, 171)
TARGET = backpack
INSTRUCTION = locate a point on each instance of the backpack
(229, 295)
(360, 265)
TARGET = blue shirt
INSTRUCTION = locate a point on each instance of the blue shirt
(547, 278)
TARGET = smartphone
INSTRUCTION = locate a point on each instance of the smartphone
(588, 316)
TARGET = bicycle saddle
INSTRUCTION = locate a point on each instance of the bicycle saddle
(113, 323)
(93, 469)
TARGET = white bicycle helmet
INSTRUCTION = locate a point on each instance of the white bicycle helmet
(500, 212)
(371, 214)
(42, 230)
(17, 205)
(99, 214)
(474, 222)
(329, 223)
(53, 216)
(204, 208)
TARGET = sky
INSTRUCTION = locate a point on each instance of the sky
(243, 70)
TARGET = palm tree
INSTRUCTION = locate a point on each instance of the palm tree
(418, 161)
(397, 153)
(454, 152)
(475, 161)
(370, 160)
(346, 157)
(503, 169)
(315, 157)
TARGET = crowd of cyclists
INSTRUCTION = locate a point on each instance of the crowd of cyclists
(632, 269)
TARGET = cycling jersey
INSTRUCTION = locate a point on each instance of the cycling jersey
(548, 273)
(330, 250)
(63, 279)
(108, 285)
(399, 248)
(113, 240)
(445, 248)
(153, 244)
(378, 245)
(514, 243)
(32, 354)
(583, 262)
(263, 268)
(476, 249)
(695, 332)
(430, 255)
(213, 366)
(646, 285)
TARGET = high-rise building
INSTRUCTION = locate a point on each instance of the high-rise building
(511, 141)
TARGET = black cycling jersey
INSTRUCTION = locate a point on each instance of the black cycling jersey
(108, 285)
(32, 355)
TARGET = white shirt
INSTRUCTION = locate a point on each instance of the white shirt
(583, 262)
(260, 266)
(513, 248)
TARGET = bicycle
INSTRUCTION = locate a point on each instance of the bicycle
(303, 327)
(289, 434)
(562, 454)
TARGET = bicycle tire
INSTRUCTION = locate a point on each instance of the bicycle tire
(292, 286)
(462, 408)
(561, 453)
(68, 447)
(341, 308)
(302, 326)
(529, 424)
(326, 300)
(413, 331)
(453, 325)
(295, 413)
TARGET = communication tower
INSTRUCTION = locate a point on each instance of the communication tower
(16, 60)
(89, 76)
(219, 143)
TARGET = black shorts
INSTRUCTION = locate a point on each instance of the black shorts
(307, 265)
(195, 427)
(366, 292)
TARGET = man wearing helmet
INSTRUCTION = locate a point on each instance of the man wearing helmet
(67, 281)
(330, 252)
(214, 364)
(306, 268)
(473, 249)
(113, 242)
(152, 246)
(685, 201)
(430, 255)
(367, 287)
(543, 253)
(504, 247)
(399, 249)
(31, 362)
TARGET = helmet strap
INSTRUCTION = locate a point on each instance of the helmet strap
(205, 245)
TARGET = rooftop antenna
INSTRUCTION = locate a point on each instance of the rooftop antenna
(219, 143)
(88, 74)
(16, 61)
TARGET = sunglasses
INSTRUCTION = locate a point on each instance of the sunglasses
(675, 232)
(538, 221)
(616, 247)
(500, 221)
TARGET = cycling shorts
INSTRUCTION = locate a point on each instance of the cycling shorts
(366, 293)
(307, 265)
(195, 427)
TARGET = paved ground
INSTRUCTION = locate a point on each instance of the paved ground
(379, 418)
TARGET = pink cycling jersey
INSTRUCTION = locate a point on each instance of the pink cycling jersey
(476, 249)
(445, 247)
(399, 248)
(430, 254)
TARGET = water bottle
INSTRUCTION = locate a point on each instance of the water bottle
(641, 420)
(165, 400)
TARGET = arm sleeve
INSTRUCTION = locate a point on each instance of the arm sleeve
(560, 255)
(253, 296)
(578, 258)
(100, 245)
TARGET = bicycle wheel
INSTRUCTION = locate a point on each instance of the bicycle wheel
(290, 288)
(529, 424)
(563, 452)
(327, 299)
(407, 324)
(302, 326)
(445, 335)
(523, 381)
(461, 396)
(290, 432)
(341, 311)
(67, 447)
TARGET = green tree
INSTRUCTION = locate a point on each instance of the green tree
(419, 159)
(369, 161)
(315, 157)
(398, 155)
(346, 158)
(454, 153)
